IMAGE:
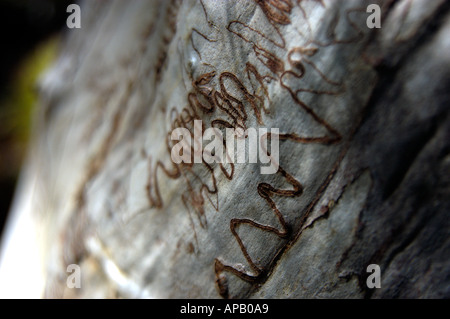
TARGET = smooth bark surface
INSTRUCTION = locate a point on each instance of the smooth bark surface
(364, 152)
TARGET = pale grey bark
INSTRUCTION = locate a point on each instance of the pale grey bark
(364, 159)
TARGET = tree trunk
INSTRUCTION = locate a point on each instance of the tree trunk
(364, 140)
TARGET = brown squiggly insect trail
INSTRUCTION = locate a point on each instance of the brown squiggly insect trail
(204, 99)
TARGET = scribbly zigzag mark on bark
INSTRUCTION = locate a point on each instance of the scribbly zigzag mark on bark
(266, 192)
(212, 95)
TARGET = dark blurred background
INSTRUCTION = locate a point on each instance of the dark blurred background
(28, 33)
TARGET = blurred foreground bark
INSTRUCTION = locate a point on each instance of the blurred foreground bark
(364, 153)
